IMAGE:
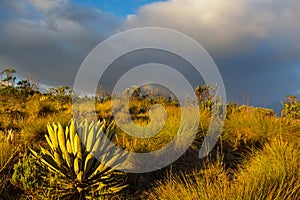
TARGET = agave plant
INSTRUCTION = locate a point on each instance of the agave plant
(84, 159)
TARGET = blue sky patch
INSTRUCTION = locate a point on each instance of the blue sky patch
(117, 7)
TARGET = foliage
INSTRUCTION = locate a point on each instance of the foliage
(210, 182)
(7, 77)
(28, 86)
(25, 173)
(80, 155)
(271, 173)
(259, 150)
(31, 181)
(61, 93)
(203, 92)
(6, 149)
(291, 107)
(6, 170)
(249, 126)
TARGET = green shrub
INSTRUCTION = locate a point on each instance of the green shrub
(291, 107)
(29, 177)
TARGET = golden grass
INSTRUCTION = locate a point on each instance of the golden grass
(271, 171)
(252, 127)
(6, 149)
(209, 183)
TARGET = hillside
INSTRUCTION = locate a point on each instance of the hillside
(256, 157)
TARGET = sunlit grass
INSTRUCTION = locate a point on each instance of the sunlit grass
(252, 127)
(6, 149)
(257, 156)
(211, 182)
(271, 173)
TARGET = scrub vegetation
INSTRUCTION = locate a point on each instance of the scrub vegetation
(45, 154)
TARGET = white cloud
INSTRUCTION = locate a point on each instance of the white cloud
(223, 26)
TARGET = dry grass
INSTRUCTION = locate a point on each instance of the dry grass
(211, 182)
(6, 149)
(271, 173)
(264, 149)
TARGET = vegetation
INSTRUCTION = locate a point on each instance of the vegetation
(72, 157)
(269, 173)
(291, 107)
(44, 154)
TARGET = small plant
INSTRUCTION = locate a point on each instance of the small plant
(291, 107)
(25, 172)
(28, 176)
(72, 156)
(30, 179)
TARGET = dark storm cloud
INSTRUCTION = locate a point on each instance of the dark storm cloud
(255, 43)
(264, 76)
(50, 39)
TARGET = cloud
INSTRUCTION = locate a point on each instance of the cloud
(255, 43)
(45, 6)
(49, 39)
(220, 25)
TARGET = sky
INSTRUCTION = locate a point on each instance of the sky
(254, 43)
(121, 8)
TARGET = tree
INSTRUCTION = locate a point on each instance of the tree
(203, 93)
(134, 92)
(62, 93)
(33, 83)
(28, 85)
(7, 77)
(101, 94)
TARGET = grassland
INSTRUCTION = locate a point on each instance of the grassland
(256, 157)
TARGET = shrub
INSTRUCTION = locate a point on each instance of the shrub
(29, 177)
(291, 107)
